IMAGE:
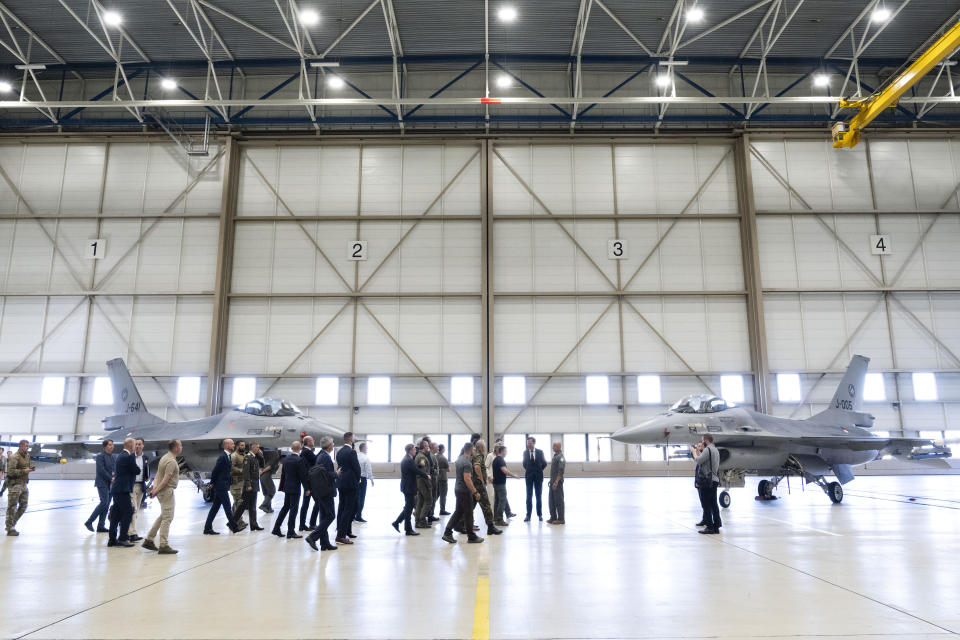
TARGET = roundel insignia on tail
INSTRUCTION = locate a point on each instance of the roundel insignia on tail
(123, 394)
(852, 390)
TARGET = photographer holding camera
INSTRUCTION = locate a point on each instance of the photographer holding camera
(707, 457)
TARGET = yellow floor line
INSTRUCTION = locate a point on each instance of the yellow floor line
(481, 605)
(481, 609)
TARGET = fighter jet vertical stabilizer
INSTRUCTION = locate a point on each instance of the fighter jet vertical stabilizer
(128, 408)
(846, 406)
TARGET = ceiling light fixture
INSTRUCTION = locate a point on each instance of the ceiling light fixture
(504, 81)
(168, 84)
(30, 67)
(5, 87)
(309, 17)
(695, 14)
(112, 18)
(507, 14)
(663, 80)
(821, 80)
(335, 82)
(880, 14)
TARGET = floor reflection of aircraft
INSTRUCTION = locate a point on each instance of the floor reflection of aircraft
(272, 422)
(830, 442)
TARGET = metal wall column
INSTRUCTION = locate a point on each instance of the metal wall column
(756, 328)
(486, 296)
(221, 301)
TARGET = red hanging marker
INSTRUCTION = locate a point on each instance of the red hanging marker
(489, 100)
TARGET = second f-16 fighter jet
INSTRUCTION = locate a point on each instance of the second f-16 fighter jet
(830, 442)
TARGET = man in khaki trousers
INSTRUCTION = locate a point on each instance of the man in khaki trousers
(168, 475)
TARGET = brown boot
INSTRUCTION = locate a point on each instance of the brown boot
(166, 550)
(149, 545)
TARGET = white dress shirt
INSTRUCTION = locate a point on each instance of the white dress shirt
(366, 469)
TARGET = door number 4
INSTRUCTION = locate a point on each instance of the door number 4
(880, 245)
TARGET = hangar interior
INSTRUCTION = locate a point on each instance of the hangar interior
(511, 218)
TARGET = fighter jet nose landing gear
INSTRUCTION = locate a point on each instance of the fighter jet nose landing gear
(765, 489)
(835, 491)
(724, 498)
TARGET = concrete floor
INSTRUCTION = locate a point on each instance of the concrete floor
(627, 564)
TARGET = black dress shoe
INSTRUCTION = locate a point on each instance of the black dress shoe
(313, 545)
(395, 525)
(344, 541)
(293, 536)
(709, 530)
(511, 515)
(89, 526)
(527, 519)
(433, 519)
(350, 535)
(700, 524)
(359, 520)
(103, 530)
(211, 532)
(328, 548)
(120, 544)
(134, 538)
(493, 531)
(256, 528)
(302, 528)
(277, 533)
(444, 513)
(411, 533)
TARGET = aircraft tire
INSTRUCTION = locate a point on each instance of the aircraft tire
(765, 489)
(208, 494)
(835, 491)
(725, 499)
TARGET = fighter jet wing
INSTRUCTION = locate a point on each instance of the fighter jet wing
(70, 450)
(821, 442)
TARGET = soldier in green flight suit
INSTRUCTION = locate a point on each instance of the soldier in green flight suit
(480, 482)
(424, 500)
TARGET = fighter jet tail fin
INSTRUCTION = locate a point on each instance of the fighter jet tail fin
(128, 406)
(847, 404)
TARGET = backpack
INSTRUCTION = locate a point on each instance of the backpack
(321, 486)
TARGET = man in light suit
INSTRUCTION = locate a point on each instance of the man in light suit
(220, 478)
(106, 466)
(120, 490)
(533, 465)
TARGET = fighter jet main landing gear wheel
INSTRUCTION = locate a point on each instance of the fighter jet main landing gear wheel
(724, 499)
(835, 491)
(765, 489)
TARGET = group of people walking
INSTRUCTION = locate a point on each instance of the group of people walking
(240, 473)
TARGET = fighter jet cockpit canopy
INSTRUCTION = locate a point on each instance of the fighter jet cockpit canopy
(701, 403)
(270, 407)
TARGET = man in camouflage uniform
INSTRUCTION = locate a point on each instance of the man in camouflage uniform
(236, 479)
(435, 459)
(480, 482)
(18, 474)
(424, 501)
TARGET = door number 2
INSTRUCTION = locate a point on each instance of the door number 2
(357, 250)
(617, 250)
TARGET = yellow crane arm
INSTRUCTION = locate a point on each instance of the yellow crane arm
(848, 134)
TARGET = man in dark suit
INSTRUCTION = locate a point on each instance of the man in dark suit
(220, 478)
(533, 465)
(106, 466)
(293, 477)
(408, 486)
(349, 485)
(122, 512)
(327, 513)
(308, 458)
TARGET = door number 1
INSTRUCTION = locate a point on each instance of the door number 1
(95, 249)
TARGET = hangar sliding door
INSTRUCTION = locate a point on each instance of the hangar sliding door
(354, 261)
(617, 260)
(107, 249)
(858, 255)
